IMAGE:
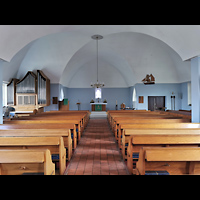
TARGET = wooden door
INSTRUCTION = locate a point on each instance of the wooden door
(156, 102)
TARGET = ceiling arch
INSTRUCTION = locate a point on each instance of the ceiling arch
(130, 51)
(133, 55)
(184, 39)
(86, 56)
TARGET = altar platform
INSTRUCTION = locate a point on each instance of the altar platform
(98, 114)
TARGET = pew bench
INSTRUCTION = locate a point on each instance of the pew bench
(139, 116)
(64, 133)
(122, 126)
(40, 125)
(76, 119)
(127, 133)
(17, 162)
(111, 113)
(170, 160)
(118, 120)
(136, 142)
(144, 121)
(54, 144)
(85, 115)
(77, 123)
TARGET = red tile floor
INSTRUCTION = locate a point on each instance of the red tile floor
(97, 152)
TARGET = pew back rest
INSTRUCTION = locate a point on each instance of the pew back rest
(160, 125)
(172, 154)
(174, 120)
(166, 139)
(51, 121)
(178, 131)
(25, 157)
(138, 141)
(54, 144)
(31, 141)
(35, 132)
(65, 133)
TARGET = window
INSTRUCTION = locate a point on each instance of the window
(4, 92)
(189, 94)
(97, 93)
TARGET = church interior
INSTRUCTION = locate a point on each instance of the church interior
(131, 89)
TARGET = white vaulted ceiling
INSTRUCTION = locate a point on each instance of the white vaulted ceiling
(67, 54)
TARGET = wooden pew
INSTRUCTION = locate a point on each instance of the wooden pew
(147, 121)
(82, 118)
(113, 112)
(50, 121)
(127, 133)
(121, 127)
(66, 134)
(150, 117)
(183, 114)
(54, 144)
(134, 113)
(184, 160)
(32, 124)
(59, 116)
(79, 118)
(85, 114)
(148, 114)
(178, 138)
(16, 162)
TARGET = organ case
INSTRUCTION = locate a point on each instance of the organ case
(31, 92)
(11, 92)
(43, 83)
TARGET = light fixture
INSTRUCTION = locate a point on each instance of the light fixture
(97, 84)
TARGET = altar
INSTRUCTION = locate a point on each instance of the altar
(98, 106)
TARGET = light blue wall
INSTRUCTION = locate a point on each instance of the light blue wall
(84, 95)
(159, 90)
(122, 95)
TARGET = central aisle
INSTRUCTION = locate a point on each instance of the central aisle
(97, 152)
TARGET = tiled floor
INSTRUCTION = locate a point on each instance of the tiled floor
(97, 152)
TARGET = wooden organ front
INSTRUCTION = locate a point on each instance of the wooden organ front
(29, 93)
(11, 91)
(43, 92)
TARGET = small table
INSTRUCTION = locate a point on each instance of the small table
(98, 106)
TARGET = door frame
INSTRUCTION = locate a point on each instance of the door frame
(164, 97)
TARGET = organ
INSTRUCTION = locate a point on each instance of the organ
(29, 93)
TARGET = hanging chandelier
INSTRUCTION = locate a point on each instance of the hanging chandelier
(97, 84)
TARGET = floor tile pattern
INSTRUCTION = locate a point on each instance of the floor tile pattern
(97, 152)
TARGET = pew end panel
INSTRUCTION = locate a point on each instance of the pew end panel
(17, 162)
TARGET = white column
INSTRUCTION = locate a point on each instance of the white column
(195, 89)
